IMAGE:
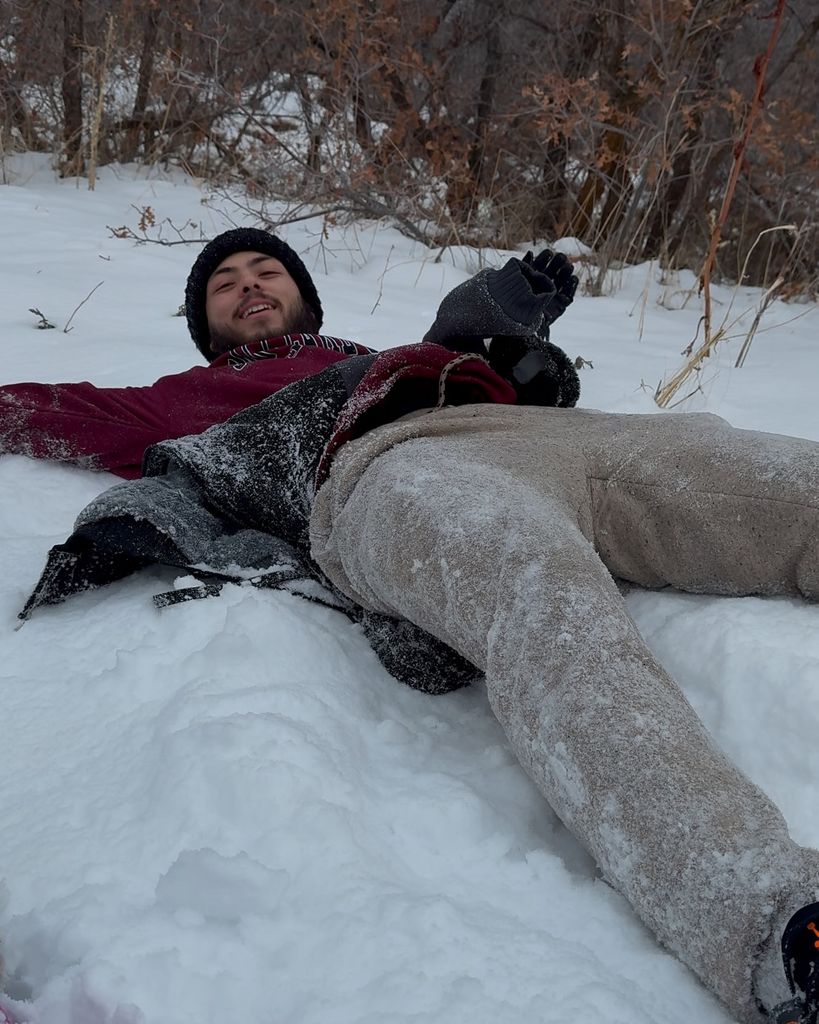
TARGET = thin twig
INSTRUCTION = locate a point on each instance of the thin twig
(765, 231)
(45, 324)
(767, 299)
(67, 327)
(784, 323)
(686, 397)
(643, 301)
(129, 233)
(96, 119)
(381, 281)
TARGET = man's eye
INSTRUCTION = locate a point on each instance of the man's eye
(269, 273)
(224, 285)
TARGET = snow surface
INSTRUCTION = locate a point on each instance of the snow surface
(227, 810)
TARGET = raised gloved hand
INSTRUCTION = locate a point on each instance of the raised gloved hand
(519, 300)
(560, 271)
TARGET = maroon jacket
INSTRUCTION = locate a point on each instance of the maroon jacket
(110, 428)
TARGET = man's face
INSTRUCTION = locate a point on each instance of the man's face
(251, 296)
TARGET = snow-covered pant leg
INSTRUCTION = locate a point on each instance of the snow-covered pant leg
(690, 501)
(479, 527)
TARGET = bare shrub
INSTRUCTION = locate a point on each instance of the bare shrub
(482, 121)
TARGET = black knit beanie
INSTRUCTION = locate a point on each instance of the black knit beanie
(224, 245)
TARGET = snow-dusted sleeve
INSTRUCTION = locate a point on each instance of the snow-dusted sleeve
(98, 428)
(415, 657)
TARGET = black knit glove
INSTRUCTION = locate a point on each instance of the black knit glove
(519, 300)
(540, 372)
(504, 315)
(560, 271)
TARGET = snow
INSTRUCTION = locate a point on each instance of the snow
(227, 810)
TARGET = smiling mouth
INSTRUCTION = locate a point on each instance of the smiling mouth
(259, 307)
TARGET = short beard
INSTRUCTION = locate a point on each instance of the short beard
(300, 319)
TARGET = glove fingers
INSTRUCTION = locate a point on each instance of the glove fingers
(542, 260)
(549, 262)
(541, 284)
(567, 282)
(559, 268)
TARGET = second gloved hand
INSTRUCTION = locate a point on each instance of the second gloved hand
(540, 372)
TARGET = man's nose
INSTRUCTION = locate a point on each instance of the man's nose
(248, 279)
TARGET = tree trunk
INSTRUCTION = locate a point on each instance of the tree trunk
(139, 131)
(610, 166)
(550, 202)
(608, 170)
(691, 234)
(17, 115)
(72, 162)
(485, 105)
(677, 184)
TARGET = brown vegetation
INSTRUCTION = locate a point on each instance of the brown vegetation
(464, 120)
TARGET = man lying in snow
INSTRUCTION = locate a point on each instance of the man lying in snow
(245, 284)
(253, 348)
(424, 490)
(254, 313)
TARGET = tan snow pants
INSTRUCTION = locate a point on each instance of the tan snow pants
(498, 529)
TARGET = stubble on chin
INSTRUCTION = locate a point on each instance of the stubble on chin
(299, 319)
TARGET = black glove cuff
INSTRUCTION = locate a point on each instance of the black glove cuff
(512, 287)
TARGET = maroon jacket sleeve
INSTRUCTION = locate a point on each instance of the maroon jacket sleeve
(100, 428)
(110, 428)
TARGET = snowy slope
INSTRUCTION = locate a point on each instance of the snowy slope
(228, 811)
